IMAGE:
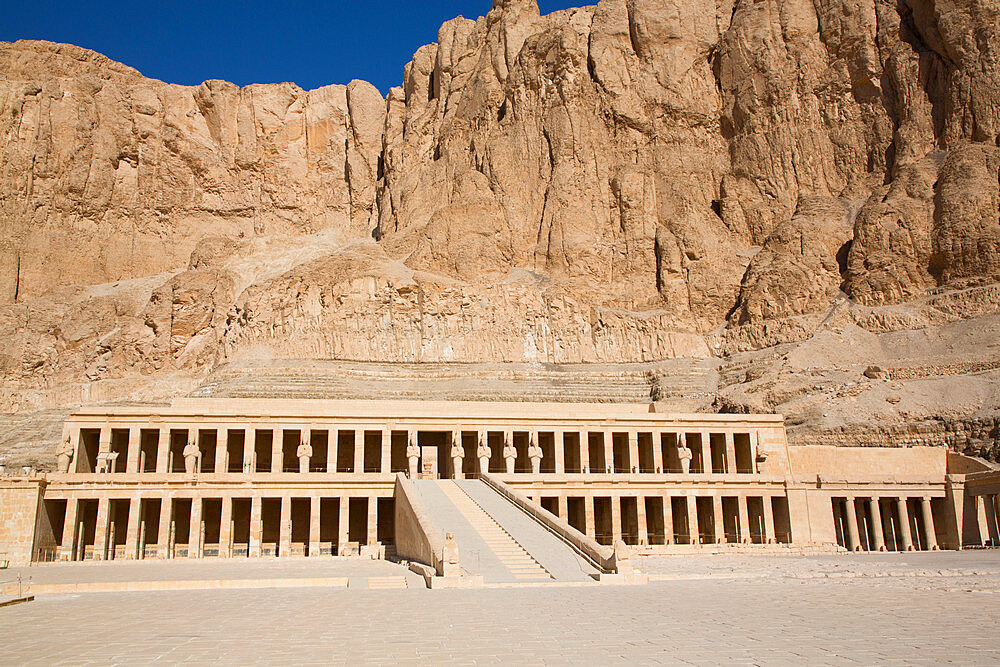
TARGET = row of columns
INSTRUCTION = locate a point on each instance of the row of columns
(69, 455)
(871, 507)
(709, 531)
(987, 508)
(72, 540)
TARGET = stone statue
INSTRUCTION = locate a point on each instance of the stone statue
(685, 456)
(483, 453)
(509, 454)
(304, 454)
(457, 454)
(450, 556)
(762, 455)
(64, 454)
(535, 456)
(412, 456)
(191, 454)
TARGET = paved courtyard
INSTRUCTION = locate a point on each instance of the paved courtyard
(899, 608)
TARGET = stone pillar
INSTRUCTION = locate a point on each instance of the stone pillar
(564, 507)
(744, 511)
(583, 441)
(412, 454)
(588, 517)
(132, 531)
(851, 519)
(221, 449)
(457, 454)
(657, 439)
(693, 531)
(277, 447)
(684, 454)
(730, 454)
(534, 452)
(249, 450)
(163, 534)
(285, 527)
(753, 452)
(559, 451)
(482, 451)
(314, 525)
(104, 444)
(372, 520)
(132, 457)
(982, 519)
(67, 550)
(668, 520)
(769, 537)
(196, 529)
(925, 506)
(706, 452)
(359, 451)
(101, 533)
(876, 510)
(256, 527)
(992, 525)
(343, 534)
(509, 453)
(386, 463)
(609, 451)
(904, 524)
(633, 451)
(640, 508)
(719, 519)
(226, 528)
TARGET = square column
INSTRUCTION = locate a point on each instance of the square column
(583, 443)
(249, 450)
(904, 524)
(132, 531)
(633, 451)
(993, 526)
(221, 449)
(730, 454)
(640, 510)
(668, 520)
(196, 531)
(132, 455)
(706, 452)
(769, 537)
(372, 520)
(314, 525)
(163, 450)
(285, 527)
(719, 519)
(163, 534)
(657, 452)
(256, 527)
(876, 510)
(609, 452)
(616, 519)
(694, 534)
(101, 532)
(386, 464)
(68, 549)
(853, 540)
(588, 517)
(925, 506)
(359, 452)
(331, 449)
(277, 445)
(104, 443)
(753, 452)
(564, 507)
(342, 524)
(744, 513)
(559, 451)
(226, 528)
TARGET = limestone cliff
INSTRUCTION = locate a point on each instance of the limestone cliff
(797, 191)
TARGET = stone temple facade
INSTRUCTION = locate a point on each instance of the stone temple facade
(250, 478)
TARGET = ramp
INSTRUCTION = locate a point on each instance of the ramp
(496, 538)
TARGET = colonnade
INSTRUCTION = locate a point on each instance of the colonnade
(258, 448)
(987, 516)
(874, 523)
(302, 523)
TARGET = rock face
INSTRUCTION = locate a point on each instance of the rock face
(629, 182)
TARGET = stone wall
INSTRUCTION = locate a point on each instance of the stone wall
(19, 504)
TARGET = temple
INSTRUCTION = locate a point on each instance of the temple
(250, 478)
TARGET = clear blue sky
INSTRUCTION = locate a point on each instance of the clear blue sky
(310, 43)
